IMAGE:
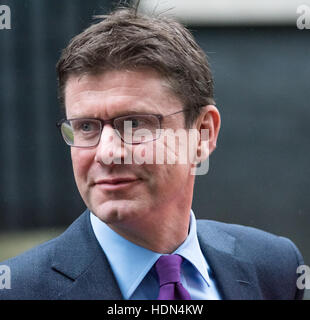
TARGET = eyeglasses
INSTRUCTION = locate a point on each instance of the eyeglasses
(132, 129)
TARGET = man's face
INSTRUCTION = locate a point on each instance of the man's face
(141, 194)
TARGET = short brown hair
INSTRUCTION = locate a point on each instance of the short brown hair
(126, 39)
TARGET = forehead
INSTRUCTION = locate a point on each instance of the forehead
(119, 91)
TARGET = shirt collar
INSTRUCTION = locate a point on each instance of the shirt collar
(130, 269)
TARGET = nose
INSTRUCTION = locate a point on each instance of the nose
(111, 149)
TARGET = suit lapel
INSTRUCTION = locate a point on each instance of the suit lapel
(96, 283)
(235, 277)
(80, 258)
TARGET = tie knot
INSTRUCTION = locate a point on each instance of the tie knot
(169, 268)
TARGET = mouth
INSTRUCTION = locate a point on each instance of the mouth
(113, 184)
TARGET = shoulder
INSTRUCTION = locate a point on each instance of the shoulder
(275, 258)
(252, 241)
(31, 273)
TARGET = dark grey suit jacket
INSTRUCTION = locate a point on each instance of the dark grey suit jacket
(247, 264)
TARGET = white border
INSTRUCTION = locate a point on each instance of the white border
(227, 12)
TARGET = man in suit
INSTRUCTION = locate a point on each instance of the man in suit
(128, 84)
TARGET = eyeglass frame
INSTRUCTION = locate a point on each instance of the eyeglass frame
(110, 121)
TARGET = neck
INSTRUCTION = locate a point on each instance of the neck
(162, 236)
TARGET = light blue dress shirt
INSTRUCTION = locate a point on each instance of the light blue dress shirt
(133, 266)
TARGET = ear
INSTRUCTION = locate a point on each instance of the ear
(208, 125)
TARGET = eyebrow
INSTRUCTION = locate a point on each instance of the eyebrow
(116, 115)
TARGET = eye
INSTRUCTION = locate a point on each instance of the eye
(135, 122)
(85, 126)
(138, 121)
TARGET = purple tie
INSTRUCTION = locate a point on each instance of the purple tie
(169, 273)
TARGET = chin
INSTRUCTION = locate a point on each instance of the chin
(113, 212)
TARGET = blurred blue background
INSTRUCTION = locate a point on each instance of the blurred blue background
(259, 174)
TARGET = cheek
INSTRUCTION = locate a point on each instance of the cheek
(173, 148)
(165, 160)
(168, 183)
(81, 162)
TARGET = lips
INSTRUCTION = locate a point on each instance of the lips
(115, 180)
(116, 183)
